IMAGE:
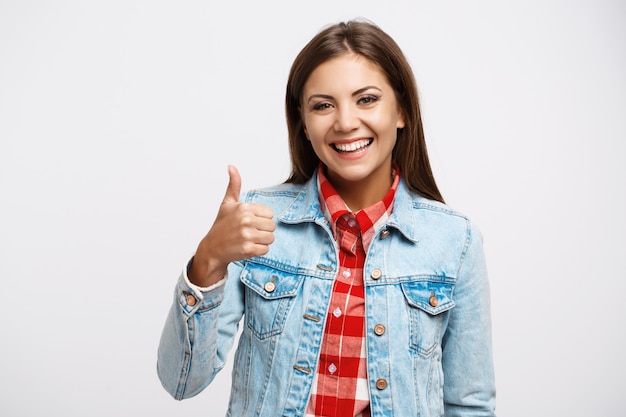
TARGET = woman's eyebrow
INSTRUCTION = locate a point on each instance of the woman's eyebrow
(364, 89)
(356, 93)
(322, 96)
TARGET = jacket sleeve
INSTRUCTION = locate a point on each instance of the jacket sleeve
(469, 387)
(199, 331)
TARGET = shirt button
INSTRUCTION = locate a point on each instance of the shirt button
(269, 286)
(376, 273)
(191, 300)
(346, 273)
(379, 329)
(337, 312)
(384, 234)
(332, 368)
(351, 222)
(433, 301)
(381, 383)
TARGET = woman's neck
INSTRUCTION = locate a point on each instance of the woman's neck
(363, 193)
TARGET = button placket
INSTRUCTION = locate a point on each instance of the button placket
(332, 368)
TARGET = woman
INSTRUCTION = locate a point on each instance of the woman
(361, 292)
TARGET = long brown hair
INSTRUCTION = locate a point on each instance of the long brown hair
(368, 40)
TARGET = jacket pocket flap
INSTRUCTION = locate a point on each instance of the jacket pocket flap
(270, 283)
(431, 297)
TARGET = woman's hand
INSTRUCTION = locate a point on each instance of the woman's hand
(240, 231)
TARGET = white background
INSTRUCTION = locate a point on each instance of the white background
(117, 121)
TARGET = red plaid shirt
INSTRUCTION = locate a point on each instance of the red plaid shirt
(340, 386)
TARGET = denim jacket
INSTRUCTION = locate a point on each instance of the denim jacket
(425, 283)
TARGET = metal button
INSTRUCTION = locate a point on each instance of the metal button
(381, 383)
(433, 300)
(379, 329)
(376, 273)
(191, 300)
(269, 286)
(384, 234)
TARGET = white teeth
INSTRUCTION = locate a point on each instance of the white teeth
(351, 147)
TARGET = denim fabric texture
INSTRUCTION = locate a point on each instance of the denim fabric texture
(425, 282)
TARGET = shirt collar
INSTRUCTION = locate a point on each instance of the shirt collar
(369, 218)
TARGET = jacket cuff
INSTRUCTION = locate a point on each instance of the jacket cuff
(193, 297)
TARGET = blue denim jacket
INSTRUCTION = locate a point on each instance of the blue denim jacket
(426, 283)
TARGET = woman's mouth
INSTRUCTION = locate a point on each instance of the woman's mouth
(352, 147)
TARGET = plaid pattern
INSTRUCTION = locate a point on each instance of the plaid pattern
(340, 386)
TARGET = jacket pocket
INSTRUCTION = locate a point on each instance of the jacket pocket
(268, 297)
(427, 302)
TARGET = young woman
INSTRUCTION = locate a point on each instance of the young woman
(359, 291)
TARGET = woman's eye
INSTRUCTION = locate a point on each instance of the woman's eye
(368, 99)
(321, 106)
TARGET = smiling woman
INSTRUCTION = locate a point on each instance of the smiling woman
(360, 289)
(379, 53)
(351, 117)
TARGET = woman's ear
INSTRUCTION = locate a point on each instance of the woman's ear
(400, 124)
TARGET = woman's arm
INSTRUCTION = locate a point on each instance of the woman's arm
(198, 334)
(204, 316)
(469, 387)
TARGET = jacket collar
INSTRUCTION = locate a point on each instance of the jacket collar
(306, 208)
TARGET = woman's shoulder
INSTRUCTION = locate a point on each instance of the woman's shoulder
(278, 189)
(438, 217)
(426, 204)
(280, 195)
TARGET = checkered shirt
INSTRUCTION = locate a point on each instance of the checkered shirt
(340, 385)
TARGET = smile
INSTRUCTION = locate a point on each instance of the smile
(352, 147)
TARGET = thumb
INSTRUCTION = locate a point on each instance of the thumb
(234, 185)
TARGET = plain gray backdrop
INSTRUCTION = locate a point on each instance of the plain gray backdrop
(118, 119)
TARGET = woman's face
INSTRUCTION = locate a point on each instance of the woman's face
(351, 117)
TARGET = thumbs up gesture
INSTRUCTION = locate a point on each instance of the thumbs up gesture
(240, 231)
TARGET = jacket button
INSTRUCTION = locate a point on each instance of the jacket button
(384, 234)
(269, 286)
(379, 329)
(381, 383)
(191, 300)
(376, 273)
(433, 301)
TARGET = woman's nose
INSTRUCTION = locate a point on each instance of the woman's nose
(346, 119)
